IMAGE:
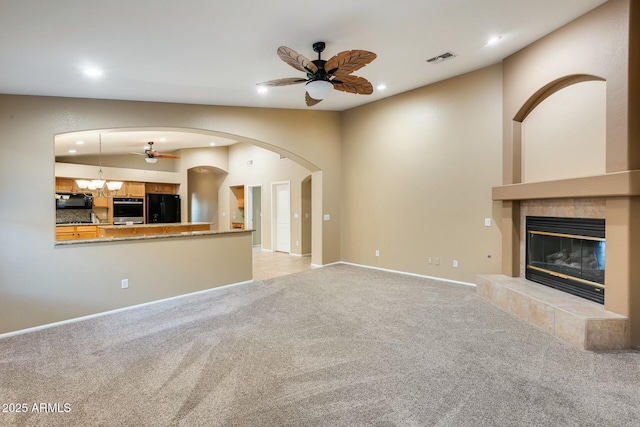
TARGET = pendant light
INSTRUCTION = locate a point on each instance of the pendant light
(98, 184)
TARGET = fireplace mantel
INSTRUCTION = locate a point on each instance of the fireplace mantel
(618, 184)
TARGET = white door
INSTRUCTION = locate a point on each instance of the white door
(283, 218)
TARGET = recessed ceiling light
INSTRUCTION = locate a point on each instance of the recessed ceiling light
(92, 72)
(79, 142)
(382, 87)
(262, 89)
(493, 40)
(163, 139)
(72, 151)
(212, 144)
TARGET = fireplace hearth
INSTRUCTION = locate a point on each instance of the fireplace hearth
(567, 254)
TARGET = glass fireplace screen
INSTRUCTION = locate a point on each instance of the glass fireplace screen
(573, 257)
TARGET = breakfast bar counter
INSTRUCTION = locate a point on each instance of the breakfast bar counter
(151, 229)
(114, 233)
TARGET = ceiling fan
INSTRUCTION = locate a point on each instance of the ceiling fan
(152, 156)
(322, 76)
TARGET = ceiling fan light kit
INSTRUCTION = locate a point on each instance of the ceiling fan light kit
(319, 89)
(322, 76)
(152, 156)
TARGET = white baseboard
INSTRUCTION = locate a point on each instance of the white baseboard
(117, 310)
(408, 274)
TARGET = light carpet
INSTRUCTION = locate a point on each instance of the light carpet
(336, 346)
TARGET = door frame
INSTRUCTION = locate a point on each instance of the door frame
(274, 214)
(248, 208)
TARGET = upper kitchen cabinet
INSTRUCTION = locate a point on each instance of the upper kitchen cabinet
(238, 192)
(131, 189)
(101, 202)
(161, 188)
(66, 185)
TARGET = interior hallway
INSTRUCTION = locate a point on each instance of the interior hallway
(267, 265)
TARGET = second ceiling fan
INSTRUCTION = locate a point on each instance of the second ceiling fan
(322, 76)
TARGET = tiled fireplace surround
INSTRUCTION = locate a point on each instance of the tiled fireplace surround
(578, 321)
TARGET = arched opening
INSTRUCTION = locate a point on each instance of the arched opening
(206, 169)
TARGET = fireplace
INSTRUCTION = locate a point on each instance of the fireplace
(567, 254)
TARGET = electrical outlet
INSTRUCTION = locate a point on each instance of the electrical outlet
(377, 253)
(430, 260)
(487, 222)
(297, 243)
(455, 263)
(124, 283)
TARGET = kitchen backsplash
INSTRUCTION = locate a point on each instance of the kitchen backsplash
(64, 216)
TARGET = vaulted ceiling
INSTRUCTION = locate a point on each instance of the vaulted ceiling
(215, 52)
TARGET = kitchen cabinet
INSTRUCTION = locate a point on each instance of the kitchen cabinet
(238, 193)
(240, 197)
(161, 188)
(101, 202)
(131, 189)
(69, 232)
(66, 185)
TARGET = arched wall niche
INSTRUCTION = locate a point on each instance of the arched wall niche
(203, 185)
(548, 90)
(528, 166)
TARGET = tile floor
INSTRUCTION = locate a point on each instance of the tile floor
(267, 265)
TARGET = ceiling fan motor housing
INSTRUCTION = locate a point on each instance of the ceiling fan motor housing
(318, 47)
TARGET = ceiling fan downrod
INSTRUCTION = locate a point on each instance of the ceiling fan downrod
(321, 74)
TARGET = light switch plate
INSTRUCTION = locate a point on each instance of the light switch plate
(487, 222)
(327, 217)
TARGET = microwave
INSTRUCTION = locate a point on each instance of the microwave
(73, 201)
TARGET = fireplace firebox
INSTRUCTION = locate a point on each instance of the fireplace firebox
(567, 254)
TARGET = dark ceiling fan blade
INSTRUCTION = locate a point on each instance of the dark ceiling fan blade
(310, 101)
(296, 60)
(348, 61)
(283, 82)
(155, 155)
(353, 84)
(165, 156)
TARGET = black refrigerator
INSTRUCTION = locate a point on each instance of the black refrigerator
(163, 208)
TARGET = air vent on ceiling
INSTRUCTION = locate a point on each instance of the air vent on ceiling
(441, 58)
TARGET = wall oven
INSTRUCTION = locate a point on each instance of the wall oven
(128, 210)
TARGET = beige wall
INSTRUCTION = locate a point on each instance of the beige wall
(41, 283)
(418, 172)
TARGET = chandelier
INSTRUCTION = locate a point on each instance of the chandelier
(99, 184)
